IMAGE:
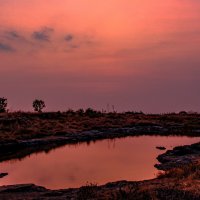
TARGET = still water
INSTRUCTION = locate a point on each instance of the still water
(130, 158)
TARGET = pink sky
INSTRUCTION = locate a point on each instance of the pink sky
(134, 54)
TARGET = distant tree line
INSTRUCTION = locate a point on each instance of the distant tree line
(38, 105)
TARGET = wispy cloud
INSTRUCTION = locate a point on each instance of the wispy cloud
(42, 39)
(12, 35)
(69, 37)
(6, 48)
(78, 41)
(43, 35)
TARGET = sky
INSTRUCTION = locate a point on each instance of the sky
(133, 54)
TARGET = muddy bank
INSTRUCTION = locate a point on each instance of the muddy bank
(179, 185)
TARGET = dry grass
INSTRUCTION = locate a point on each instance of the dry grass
(175, 184)
(89, 191)
(191, 171)
(21, 125)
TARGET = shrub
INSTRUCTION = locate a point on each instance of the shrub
(80, 112)
(92, 113)
(3, 104)
(183, 113)
(89, 191)
(38, 105)
(70, 112)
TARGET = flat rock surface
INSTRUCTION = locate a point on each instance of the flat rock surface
(182, 155)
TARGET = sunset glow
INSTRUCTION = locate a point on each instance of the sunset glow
(133, 54)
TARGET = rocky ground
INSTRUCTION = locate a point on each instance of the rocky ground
(181, 180)
(179, 156)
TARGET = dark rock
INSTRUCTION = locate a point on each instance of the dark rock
(161, 148)
(3, 174)
(179, 156)
(22, 188)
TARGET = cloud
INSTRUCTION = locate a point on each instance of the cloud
(5, 48)
(12, 35)
(43, 34)
(20, 40)
(78, 41)
(69, 37)
(72, 42)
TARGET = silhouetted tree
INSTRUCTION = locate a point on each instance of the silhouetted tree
(3, 104)
(38, 105)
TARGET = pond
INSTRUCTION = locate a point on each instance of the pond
(130, 158)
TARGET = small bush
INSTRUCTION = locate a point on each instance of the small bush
(80, 112)
(92, 113)
(70, 112)
(38, 105)
(3, 104)
(89, 191)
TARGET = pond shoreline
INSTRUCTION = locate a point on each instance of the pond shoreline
(22, 148)
(163, 187)
(23, 133)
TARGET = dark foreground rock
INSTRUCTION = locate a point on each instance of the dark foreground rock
(161, 148)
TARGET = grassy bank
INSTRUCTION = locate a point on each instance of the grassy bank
(21, 125)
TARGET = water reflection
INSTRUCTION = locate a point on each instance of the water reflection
(130, 158)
